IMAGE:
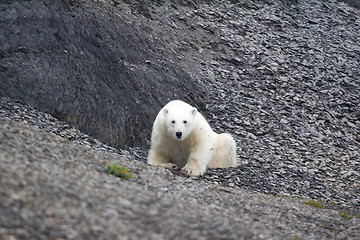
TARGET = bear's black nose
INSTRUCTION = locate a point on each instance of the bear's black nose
(178, 135)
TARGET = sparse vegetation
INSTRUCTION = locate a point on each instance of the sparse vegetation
(119, 171)
(345, 216)
(313, 203)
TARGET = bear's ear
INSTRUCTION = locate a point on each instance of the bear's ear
(194, 111)
(165, 111)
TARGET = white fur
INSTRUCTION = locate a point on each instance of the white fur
(196, 148)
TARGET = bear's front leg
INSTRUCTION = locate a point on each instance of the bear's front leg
(157, 158)
(194, 167)
(199, 159)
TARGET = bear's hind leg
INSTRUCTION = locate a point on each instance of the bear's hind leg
(225, 152)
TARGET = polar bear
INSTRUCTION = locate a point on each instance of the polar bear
(181, 137)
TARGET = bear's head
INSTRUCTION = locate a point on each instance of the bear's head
(180, 121)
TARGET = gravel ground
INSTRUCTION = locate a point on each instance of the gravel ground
(53, 185)
(283, 79)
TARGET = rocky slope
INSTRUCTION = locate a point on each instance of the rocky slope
(281, 76)
(54, 185)
(284, 79)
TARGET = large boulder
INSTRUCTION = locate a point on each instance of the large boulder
(82, 63)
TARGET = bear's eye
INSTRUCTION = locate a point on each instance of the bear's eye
(173, 121)
(185, 122)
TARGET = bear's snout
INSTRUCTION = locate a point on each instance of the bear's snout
(178, 135)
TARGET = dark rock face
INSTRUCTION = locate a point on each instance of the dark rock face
(88, 67)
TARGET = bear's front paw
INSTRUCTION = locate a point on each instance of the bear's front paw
(193, 169)
(169, 165)
(191, 172)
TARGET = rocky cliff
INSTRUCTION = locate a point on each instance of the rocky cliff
(83, 63)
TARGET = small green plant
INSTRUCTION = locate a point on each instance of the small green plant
(345, 216)
(119, 171)
(313, 203)
(357, 215)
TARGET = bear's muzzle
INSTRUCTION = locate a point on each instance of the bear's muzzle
(178, 135)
